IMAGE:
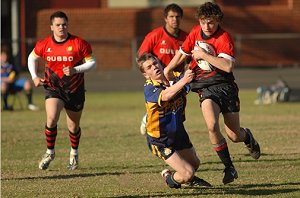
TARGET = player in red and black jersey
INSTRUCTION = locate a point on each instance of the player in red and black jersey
(67, 57)
(163, 42)
(217, 89)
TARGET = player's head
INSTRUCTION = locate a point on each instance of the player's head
(59, 25)
(173, 7)
(58, 14)
(4, 54)
(173, 14)
(150, 66)
(209, 15)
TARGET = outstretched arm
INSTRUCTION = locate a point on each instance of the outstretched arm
(176, 60)
(170, 92)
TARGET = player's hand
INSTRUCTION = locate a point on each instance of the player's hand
(37, 81)
(68, 71)
(189, 75)
(198, 53)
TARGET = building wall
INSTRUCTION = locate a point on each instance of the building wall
(115, 34)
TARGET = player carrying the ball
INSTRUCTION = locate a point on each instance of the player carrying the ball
(166, 134)
(217, 89)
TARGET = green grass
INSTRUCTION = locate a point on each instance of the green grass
(115, 161)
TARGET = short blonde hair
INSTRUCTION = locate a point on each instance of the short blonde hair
(143, 58)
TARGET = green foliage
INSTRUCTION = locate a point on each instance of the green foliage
(115, 161)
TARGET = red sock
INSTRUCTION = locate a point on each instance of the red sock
(50, 134)
(74, 139)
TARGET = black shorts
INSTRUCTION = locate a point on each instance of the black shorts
(224, 94)
(73, 101)
(164, 147)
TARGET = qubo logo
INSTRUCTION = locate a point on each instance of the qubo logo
(166, 51)
(60, 58)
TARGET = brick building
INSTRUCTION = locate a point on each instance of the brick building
(266, 31)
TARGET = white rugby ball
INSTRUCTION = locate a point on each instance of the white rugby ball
(204, 65)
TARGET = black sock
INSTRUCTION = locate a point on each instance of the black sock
(171, 182)
(247, 139)
(223, 153)
(29, 97)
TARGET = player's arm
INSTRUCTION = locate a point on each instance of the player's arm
(32, 67)
(223, 63)
(170, 92)
(89, 64)
(176, 60)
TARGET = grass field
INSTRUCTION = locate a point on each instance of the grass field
(115, 161)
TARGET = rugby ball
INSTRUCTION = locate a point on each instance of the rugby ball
(204, 65)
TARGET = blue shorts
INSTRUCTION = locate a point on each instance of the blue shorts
(164, 147)
(18, 85)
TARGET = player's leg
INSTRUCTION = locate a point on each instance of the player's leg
(211, 112)
(239, 134)
(184, 171)
(53, 108)
(4, 96)
(27, 87)
(191, 157)
(73, 123)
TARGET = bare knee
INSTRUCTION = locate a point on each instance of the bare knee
(51, 121)
(213, 129)
(187, 175)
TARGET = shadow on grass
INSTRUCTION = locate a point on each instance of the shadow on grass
(251, 189)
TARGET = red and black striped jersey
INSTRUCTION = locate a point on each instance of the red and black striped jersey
(162, 44)
(223, 46)
(57, 55)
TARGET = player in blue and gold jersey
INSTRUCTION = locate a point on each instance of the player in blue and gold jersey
(166, 135)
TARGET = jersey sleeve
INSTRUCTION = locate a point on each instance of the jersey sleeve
(189, 43)
(152, 93)
(225, 48)
(39, 48)
(86, 48)
(148, 44)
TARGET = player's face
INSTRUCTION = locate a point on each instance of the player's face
(59, 28)
(4, 58)
(173, 20)
(209, 26)
(152, 69)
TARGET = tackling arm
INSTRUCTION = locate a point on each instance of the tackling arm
(176, 60)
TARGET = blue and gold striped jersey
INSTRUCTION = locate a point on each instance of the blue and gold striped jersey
(163, 117)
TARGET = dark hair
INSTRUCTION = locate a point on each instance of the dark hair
(58, 14)
(209, 10)
(173, 7)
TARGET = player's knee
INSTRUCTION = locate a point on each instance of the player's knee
(27, 86)
(188, 175)
(213, 129)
